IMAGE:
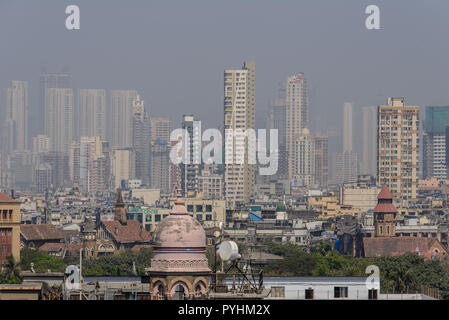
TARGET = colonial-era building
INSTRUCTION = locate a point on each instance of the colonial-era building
(119, 234)
(385, 241)
(179, 267)
(36, 235)
(9, 228)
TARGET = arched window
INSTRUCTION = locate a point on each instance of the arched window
(200, 288)
(179, 292)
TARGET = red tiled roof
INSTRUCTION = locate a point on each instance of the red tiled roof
(384, 193)
(392, 246)
(132, 231)
(51, 247)
(40, 232)
(5, 198)
(385, 207)
(73, 249)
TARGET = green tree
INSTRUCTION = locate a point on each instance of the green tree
(11, 270)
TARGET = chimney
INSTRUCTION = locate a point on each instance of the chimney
(12, 194)
(116, 231)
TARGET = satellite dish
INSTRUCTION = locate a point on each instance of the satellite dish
(228, 250)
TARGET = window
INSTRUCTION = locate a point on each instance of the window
(208, 217)
(309, 294)
(372, 294)
(199, 208)
(208, 208)
(190, 207)
(199, 217)
(157, 218)
(340, 292)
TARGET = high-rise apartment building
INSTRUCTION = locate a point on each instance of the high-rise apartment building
(398, 149)
(348, 125)
(141, 141)
(369, 136)
(296, 115)
(94, 165)
(190, 167)
(346, 162)
(160, 168)
(239, 114)
(435, 143)
(74, 163)
(47, 80)
(16, 111)
(321, 160)
(92, 121)
(122, 165)
(276, 120)
(59, 118)
(305, 155)
(122, 117)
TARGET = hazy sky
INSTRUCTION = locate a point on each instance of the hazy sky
(174, 52)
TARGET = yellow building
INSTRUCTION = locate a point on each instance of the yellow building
(9, 228)
(329, 207)
(398, 149)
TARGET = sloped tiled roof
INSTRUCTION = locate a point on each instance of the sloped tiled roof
(132, 231)
(385, 208)
(73, 249)
(392, 246)
(40, 232)
(5, 198)
(384, 193)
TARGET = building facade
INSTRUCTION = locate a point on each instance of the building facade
(239, 114)
(296, 115)
(434, 143)
(59, 118)
(9, 228)
(398, 149)
(92, 115)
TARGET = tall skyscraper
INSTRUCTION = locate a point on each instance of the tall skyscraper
(398, 149)
(47, 80)
(297, 116)
(347, 161)
(160, 167)
(94, 165)
(369, 152)
(190, 167)
(123, 165)
(348, 124)
(321, 160)
(435, 143)
(141, 140)
(74, 163)
(239, 113)
(16, 114)
(59, 118)
(276, 120)
(305, 154)
(92, 113)
(122, 117)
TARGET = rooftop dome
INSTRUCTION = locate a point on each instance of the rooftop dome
(179, 243)
(280, 208)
